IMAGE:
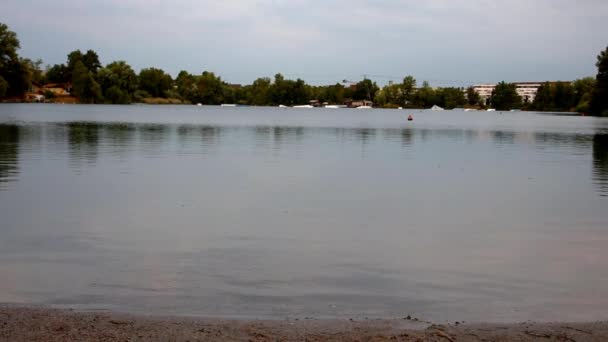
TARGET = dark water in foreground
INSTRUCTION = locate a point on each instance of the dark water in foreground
(271, 213)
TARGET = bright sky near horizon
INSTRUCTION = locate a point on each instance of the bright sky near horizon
(448, 42)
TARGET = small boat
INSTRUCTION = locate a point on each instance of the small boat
(334, 106)
(491, 110)
(227, 105)
(199, 104)
(400, 108)
(303, 106)
(364, 107)
(436, 107)
(283, 106)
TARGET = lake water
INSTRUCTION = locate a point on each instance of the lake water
(329, 213)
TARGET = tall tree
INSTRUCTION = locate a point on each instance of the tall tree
(473, 97)
(583, 90)
(599, 99)
(84, 85)
(155, 81)
(91, 60)
(12, 69)
(210, 89)
(408, 88)
(505, 97)
(57, 73)
(9, 44)
(121, 79)
(365, 90)
(450, 98)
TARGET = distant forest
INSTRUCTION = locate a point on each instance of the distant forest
(117, 83)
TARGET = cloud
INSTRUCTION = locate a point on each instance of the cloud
(462, 40)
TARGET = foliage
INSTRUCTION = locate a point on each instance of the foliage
(210, 89)
(119, 76)
(3, 86)
(450, 98)
(473, 98)
(365, 90)
(505, 97)
(564, 96)
(155, 81)
(84, 85)
(9, 44)
(288, 92)
(56, 73)
(186, 86)
(599, 98)
(13, 71)
(34, 70)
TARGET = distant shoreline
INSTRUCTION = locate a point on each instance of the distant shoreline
(44, 324)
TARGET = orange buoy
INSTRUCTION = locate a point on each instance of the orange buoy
(410, 118)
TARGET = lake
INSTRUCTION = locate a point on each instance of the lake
(254, 212)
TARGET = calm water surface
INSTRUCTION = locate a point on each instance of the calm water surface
(274, 213)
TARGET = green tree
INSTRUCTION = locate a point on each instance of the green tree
(3, 87)
(210, 89)
(57, 74)
(186, 86)
(450, 98)
(365, 90)
(563, 96)
(426, 96)
(120, 75)
(84, 85)
(9, 44)
(34, 68)
(543, 101)
(155, 81)
(12, 69)
(505, 97)
(259, 92)
(91, 60)
(599, 99)
(473, 97)
(408, 89)
(583, 90)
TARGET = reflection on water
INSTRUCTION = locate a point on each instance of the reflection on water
(83, 140)
(9, 152)
(600, 162)
(271, 215)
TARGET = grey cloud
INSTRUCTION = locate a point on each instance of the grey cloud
(455, 41)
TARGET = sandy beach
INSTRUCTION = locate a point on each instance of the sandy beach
(43, 324)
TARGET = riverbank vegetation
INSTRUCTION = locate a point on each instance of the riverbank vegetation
(82, 78)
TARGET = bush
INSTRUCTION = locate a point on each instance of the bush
(140, 95)
(48, 94)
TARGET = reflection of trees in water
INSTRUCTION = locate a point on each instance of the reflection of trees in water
(196, 136)
(83, 141)
(503, 137)
(152, 137)
(118, 137)
(9, 152)
(551, 140)
(600, 162)
(364, 135)
(286, 135)
(405, 135)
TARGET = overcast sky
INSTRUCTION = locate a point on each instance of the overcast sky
(324, 41)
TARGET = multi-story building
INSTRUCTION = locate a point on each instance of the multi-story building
(527, 90)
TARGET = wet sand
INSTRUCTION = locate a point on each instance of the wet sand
(42, 324)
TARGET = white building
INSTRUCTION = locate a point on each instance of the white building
(527, 90)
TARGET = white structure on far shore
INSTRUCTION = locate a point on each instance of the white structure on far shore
(527, 90)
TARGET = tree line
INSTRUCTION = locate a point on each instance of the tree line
(118, 83)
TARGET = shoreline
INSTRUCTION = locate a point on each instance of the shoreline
(33, 323)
